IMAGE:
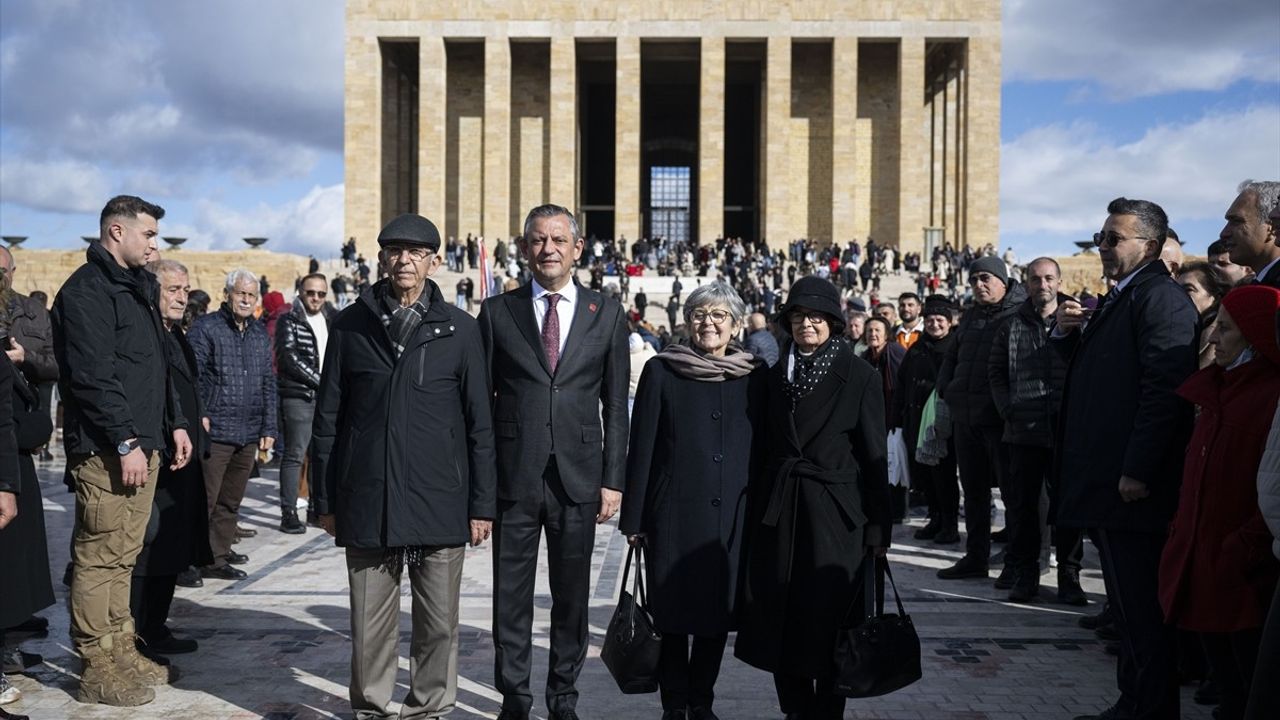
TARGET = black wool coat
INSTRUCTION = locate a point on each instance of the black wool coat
(688, 466)
(822, 497)
(1121, 414)
(24, 552)
(178, 531)
(402, 448)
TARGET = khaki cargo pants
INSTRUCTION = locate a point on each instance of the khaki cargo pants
(111, 522)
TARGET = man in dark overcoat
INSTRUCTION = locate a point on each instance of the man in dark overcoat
(177, 535)
(1122, 431)
(402, 469)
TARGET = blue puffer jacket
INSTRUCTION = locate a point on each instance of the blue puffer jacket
(237, 384)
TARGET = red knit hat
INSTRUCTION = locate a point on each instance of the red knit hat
(1253, 308)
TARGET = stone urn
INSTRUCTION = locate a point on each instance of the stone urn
(174, 242)
(13, 240)
(255, 242)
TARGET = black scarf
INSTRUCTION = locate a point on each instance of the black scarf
(811, 369)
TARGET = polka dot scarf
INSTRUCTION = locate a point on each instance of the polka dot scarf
(810, 370)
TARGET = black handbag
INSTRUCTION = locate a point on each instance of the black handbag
(883, 653)
(632, 645)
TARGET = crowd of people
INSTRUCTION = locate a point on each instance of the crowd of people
(760, 447)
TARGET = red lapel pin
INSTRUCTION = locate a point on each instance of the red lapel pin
(591, 307)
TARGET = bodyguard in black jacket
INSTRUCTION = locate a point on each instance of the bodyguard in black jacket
(1027, 376)
(963, 383)
(402, 467)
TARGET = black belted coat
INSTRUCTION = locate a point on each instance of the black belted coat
(822, 499)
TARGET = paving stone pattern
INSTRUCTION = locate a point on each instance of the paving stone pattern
(276, 645)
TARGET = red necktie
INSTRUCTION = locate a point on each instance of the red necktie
(551, 332)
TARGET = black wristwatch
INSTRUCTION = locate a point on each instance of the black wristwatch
(127, 446)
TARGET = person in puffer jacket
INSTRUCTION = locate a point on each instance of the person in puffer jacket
(963, 383)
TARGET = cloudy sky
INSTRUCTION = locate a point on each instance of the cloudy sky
(229, 114)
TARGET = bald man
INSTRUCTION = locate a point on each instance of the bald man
(760, 342)
(1171, 253)
(26, 322)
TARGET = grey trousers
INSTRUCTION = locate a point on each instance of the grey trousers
(375, 633)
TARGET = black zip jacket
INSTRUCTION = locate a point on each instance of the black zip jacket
(962, 381)
(297, 358)
(109, 344)
(1027, 375)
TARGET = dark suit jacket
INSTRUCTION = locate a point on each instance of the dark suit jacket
(532, 409)
(1271, 278)
(1121, 414)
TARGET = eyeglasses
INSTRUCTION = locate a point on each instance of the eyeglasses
(717, 317)
(1112, 239)
(814, 318)
(315, 293)
(983, 278)
(415, 253)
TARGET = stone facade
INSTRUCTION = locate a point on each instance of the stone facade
(876, 119)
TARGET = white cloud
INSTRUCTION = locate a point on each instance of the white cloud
(310, 224)
(1057, 180)
(59, 186)
(1138, 48)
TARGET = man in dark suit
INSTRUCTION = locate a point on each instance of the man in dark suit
(559, 365)
(1122, 429)
(1252, 232)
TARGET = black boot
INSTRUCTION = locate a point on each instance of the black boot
(930, 530)
(1069, 590)
(969, 566)
(289, 522)
(1026, 585)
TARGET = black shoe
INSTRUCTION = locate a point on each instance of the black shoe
(968, 567)
(190, 578)
(171, 644)
(564, 715)
(224, 572)
(15, 661)
(948, 535)
(244, 532)
(702, 713)
(235, 558)
(930, 530)
(289, 523)
(1000, 536)
(1093, 622)
(513, 715)
(1006, 578)
(34, 625)
(675, 715)
(1069, 590)
(1026, 588)
(1208, 693)
(1107, 632)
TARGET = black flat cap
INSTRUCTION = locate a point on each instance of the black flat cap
(410, 229)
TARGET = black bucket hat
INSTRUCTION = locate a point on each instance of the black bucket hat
(817, 294)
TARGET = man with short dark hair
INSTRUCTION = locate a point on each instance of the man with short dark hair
(301, 338)
(1122, 426)
(240, 401)
(1252, 232)
(1026, 377)
(402, 469)
(109, 343)
(911, 325)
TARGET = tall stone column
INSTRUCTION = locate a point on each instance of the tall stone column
(914, 144)
(362, 135)
(432, 127)
(844, 114)
(564, 112)
(711, 140)
(779, 228)
(497, 137)
(626, 189)
(982, 126)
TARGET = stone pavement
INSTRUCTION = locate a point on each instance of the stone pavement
(276, 644)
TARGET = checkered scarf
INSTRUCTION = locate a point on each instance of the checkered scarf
(401, 322)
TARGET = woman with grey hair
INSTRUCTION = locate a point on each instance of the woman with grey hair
(692, 427)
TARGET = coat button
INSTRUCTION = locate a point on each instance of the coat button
(717, 457)
(715, 502)
(715, 414)
(437, 331)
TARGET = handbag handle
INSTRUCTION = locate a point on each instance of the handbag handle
(637, 584)
(883, 565)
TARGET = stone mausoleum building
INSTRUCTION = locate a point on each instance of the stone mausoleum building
(826, 119)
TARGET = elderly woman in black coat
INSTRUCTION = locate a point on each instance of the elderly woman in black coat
(819, 509)
(688, 466)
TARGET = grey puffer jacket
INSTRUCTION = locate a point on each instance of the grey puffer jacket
(1269, 483)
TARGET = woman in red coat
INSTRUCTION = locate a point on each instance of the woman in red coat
(1217, 574)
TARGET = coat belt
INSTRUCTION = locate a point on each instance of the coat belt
(786, 483)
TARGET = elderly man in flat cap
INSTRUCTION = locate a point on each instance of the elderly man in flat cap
(402, 468)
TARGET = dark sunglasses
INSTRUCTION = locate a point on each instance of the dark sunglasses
(315, 293)
(1111, 240)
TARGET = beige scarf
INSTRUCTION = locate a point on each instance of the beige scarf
(693, 365)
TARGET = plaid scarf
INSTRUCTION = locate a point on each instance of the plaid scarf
(401, 322)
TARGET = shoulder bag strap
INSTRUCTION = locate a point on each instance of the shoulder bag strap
(902, 611)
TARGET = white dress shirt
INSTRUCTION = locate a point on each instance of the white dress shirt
(320, 327)
(564, 308)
